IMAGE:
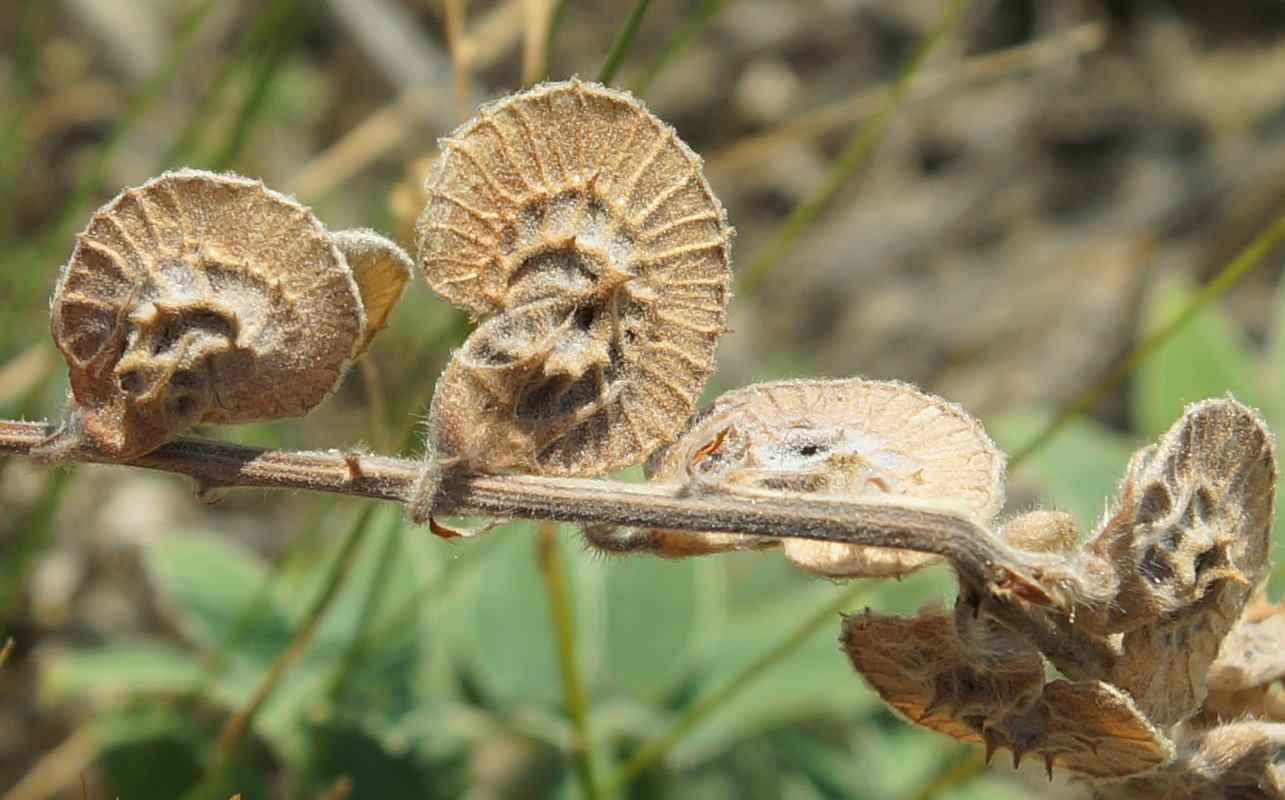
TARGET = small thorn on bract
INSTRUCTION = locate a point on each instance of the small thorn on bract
(1024, 588)
(209, 492)
(442, 531)
(992, 745)
(1048, 766)
(1018, 755)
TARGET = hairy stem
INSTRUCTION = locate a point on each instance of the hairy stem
(1006, 575)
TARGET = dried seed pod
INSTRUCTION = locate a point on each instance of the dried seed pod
(203, 297)
(572, 209)
(955, 677)
(1236, 761)
(837, 437)
(1088, 727)
(1190, 540)
(1250, 660)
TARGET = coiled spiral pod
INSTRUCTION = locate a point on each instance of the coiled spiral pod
(850, 437)
(207, 297)
(581, 230)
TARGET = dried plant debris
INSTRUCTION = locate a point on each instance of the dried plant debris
(581, 230)
(1162, 588)
(973, 679)
(957, 681)
(206, 297)
(1183, 551)
(850, 437)
(1243, 680)
(1242, 760)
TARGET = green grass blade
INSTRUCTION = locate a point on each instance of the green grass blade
(623, 39)
(1237, 268)
(22, 78)
(550, 37)
(851, 157)
(274, 31)
(563, 614)
(33, 269)
(656, 749)
(695, 24)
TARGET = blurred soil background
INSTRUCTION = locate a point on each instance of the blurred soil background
(1052, 162)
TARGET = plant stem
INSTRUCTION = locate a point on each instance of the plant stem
(996, 570)
(564, 628)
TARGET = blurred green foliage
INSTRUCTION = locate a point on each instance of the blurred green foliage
(413, 667)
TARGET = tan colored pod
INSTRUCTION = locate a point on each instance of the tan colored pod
(951, 678)
(1182, 554)
(381, 270)
(571, 209)
(202, 297)
(848, 437)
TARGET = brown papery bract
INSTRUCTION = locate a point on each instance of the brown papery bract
(1189, 541)
(580, 228)
(207, 297)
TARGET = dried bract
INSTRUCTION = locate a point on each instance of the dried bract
(1089, 727)
(1238, 760)
(979, 682)
(204, 297)
(581, 229)
(381, 271)
(852, 437)
(1250, 661)
(1157, 594)
(1189, 542)
(940, 677)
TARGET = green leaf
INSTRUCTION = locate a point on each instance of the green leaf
(1209, 357)
(1274, 362)
(376, 771)
(217, 589)
(116, 672)
(499, 628)
(814, 680)
(662, 617)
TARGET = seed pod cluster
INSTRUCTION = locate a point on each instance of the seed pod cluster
(851, 437)
(580, 230)
(1161, 589)
(207, 297)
